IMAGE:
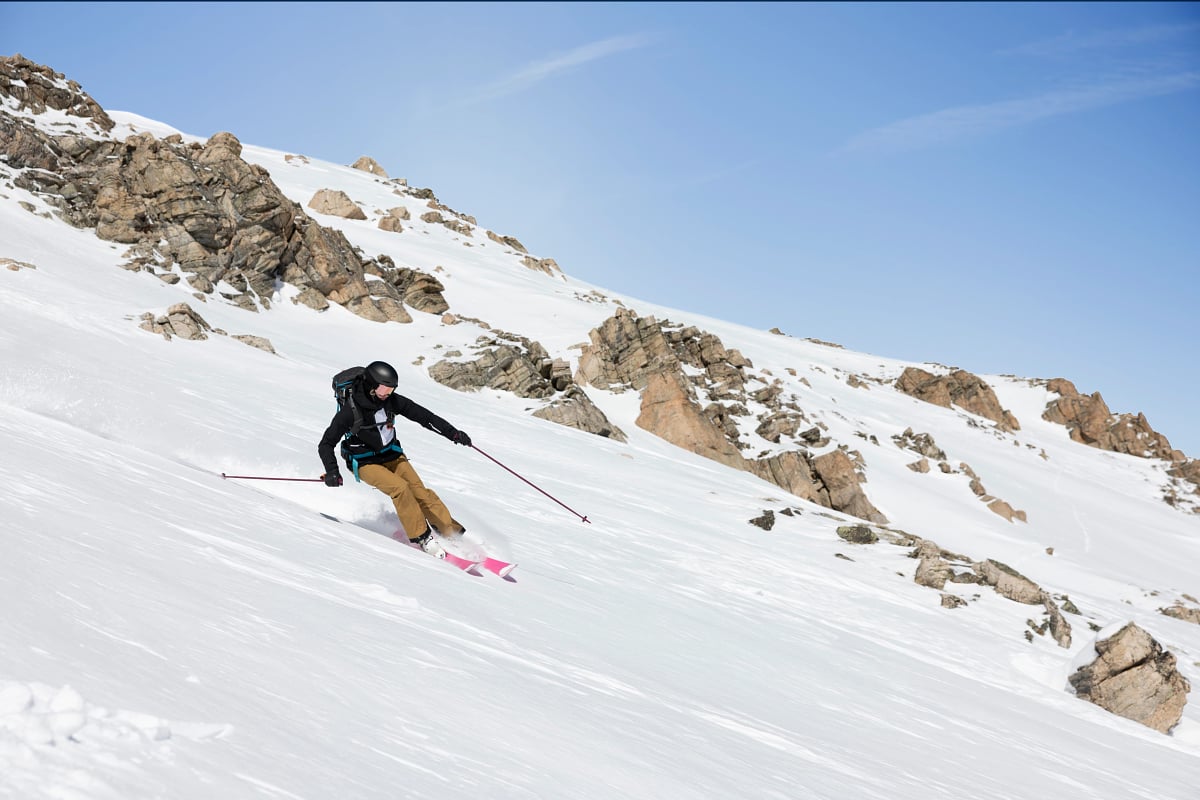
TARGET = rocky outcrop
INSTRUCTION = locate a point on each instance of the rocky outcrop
(1008, 582)
(180, 320)
(1134, 677)
(576, 410)
(840, 480)
(368, 164)
(37, 89)
(546, 265)
(1182, 612)
(921, 443)
(960, 388)
(336, 203)
(507, 241)
(671, 412)
(694, 393)
(223, 221)
(512, 363)
(936, 568)
(1089, 421)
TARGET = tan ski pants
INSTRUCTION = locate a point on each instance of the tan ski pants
(415, 503)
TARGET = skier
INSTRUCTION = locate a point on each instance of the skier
(373, 453)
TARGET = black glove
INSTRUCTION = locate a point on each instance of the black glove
(333, 478)
(460, 437)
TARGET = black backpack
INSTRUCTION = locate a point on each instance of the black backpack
(354, 448)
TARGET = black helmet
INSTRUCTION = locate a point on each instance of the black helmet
(379, 373)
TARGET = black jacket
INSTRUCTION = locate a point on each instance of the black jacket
(375, 430)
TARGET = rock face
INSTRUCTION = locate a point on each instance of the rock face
(694, 391)
(37, 89)
(223, 221)
(1089, 421)
(1134, 677)
(968, 392)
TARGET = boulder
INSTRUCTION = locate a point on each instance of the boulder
(336, 203)
(1134, 677)
(368, 164)
(1008, 582)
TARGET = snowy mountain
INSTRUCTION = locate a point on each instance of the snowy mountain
(172, 634)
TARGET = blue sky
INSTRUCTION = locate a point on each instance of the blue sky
(1006, 188)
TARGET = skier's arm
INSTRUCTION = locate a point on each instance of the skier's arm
(421, 415)
(338, 427)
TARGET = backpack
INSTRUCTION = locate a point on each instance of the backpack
(354, 448)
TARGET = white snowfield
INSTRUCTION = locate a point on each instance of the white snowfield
(167, 633)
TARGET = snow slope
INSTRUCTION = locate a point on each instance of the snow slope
(170, 634)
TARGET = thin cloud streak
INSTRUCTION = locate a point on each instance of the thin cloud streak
(539, 71)
(1072, 42)
(952, 124)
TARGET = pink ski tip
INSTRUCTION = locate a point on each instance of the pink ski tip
(501, 568)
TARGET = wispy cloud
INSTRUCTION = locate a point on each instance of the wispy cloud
(1074, 42)
(538, 71)
(952, 124)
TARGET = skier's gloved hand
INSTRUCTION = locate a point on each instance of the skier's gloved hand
(333, 478)
(460, 437)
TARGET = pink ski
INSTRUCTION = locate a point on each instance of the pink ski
(501, 568)
(465, 564)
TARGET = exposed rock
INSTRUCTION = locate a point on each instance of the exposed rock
(1008, 582)
(968, 392)
(336, 203)
(420, 290)
(1060, 629)
(1089, 421)
(391, 223)
(932, 571)
(180, 320)
(576, 410)
(669, 410)
(507, 241)
(515, 364)
(766, 521)
(433, 217)
(696, 409)
(952, 601)
(921, 466)
(793, 472)
(1182, 612)
(840, 479)
(368, 164)
(1002, 508)
(504, 366)
(37, 88)
(857, 534)
(14, 265)
(921, 443)
(1134, 677)
(256, 341)
(546, 265)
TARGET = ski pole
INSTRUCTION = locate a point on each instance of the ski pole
(261, 478)
(543, 491)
